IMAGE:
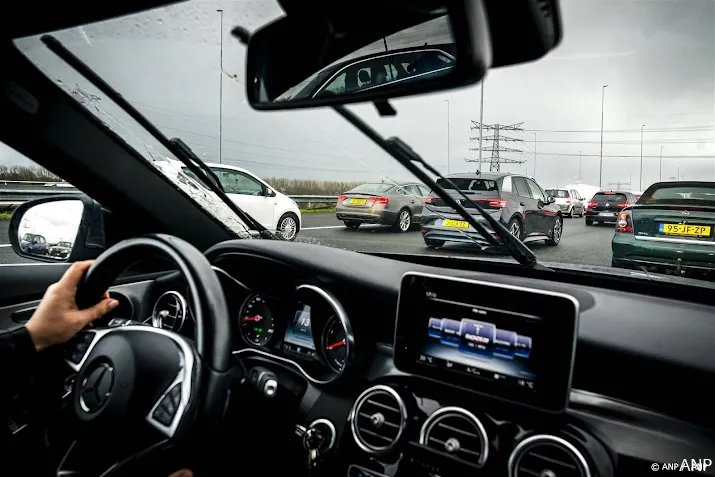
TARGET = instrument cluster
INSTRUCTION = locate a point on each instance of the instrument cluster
(310, 331)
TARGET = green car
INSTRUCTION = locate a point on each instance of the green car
(669, 229)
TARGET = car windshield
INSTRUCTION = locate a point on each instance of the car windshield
(624, 102)
(559, 194)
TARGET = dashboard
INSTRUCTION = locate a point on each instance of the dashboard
(381, 368)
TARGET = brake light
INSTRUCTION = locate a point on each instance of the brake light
(380, 200)
(625, 222)
(623, 204)
(568, 201)
(493, 203)
(591, 204)
(430, 199)
(342, 198)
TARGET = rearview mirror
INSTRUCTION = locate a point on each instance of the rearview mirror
(379, 51)
(57, 229)
(551, 199)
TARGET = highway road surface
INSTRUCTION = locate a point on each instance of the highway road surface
(579, 245)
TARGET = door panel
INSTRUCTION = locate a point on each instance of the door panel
(542, 220)
(416, 200)
(531, 211)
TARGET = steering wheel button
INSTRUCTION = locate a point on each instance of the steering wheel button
(161, 416)
(87, 337)
(168, 405)
(175, 394)
(76, 357)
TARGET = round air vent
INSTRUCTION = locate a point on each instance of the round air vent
(169, 311)
(547, 456)
(458, 432)
(378, 419)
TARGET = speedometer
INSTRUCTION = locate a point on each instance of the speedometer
(256, 321)
(335, 345)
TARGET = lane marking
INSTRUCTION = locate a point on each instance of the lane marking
(324, 227)
(5, 245)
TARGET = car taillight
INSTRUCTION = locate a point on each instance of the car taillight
(568, 201)
(430, 199)
(342, 198)
(493, 203)
(625, 222)
(591, 205)
(380, 200)
(623, 204)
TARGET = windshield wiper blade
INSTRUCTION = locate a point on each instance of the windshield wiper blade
(399, 150)
(176, 146)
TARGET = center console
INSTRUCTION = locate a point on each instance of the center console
(481, 386)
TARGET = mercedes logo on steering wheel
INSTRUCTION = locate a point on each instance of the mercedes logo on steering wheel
(96, 388)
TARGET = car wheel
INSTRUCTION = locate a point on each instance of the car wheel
(288, 226)
(404, 221)
(515, 228)
(589, 221)
(570, 213)
(434, 243)
(556, 231)
(351, 224)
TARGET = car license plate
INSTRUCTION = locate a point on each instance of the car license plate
(685, 230)
(460, 224)
(358, 201)
(607, 214)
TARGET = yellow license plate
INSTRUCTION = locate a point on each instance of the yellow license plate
(358, 201)
(685, 230)
(460, 224)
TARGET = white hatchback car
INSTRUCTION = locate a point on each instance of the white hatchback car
(275, 211)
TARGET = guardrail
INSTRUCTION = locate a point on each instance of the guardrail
(11, 198)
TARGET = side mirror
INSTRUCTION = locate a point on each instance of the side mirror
(551, 200)
(58, 229)
(268, 192)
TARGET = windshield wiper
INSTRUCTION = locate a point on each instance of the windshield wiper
(402, 152)
(182, 151)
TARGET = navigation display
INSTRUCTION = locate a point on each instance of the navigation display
(299, 335)
(508, 343)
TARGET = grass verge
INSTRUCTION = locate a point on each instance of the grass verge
(5, 216)
(326, 210)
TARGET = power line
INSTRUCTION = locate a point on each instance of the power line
(598, 131)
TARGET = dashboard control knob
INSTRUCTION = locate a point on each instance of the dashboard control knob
(270, 387)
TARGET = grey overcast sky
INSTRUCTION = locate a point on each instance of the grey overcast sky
(656, 56)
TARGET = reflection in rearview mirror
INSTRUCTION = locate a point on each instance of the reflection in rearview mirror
(415, 55)
(49, 229)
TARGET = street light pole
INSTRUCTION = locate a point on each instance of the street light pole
(660, 176)
(447, 135)
(579, 166)
(640, 177)
(481, 123)
(534, 156)
(600, 169)
(220, 96)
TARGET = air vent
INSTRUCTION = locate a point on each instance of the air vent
(547, 456)
(458, 432)
(377, 419)
(169, 311)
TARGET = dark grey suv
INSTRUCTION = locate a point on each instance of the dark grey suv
(515, 200)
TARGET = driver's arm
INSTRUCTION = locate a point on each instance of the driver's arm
(55, 321)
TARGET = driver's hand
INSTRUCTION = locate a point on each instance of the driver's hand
(57, 318)
(182, 473)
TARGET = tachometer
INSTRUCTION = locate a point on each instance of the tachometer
(256, 321)
(335, 346)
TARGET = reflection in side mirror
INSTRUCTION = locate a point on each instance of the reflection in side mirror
(49, 229)
(551, 199)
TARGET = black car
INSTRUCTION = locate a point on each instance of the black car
(605, 205)
(517, 201)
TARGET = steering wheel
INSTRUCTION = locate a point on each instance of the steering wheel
(141, 383)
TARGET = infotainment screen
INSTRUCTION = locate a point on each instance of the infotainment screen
(509, 343)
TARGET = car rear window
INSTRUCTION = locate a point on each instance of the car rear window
(482, 185)
(378, 188)
(602, 198)
(561, 194)
(679, 195)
